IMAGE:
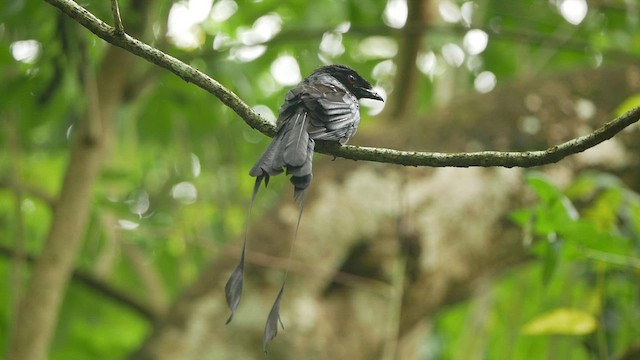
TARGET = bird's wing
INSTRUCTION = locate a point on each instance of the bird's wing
(317, 110)
(332, 111)
(296, 139)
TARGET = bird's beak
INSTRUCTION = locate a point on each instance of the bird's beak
(370, 94)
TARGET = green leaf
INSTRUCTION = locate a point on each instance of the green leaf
(561, 321)
(545, 190)
(521, 216)
(604, 212)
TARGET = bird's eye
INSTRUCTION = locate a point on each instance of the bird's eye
(351, 79)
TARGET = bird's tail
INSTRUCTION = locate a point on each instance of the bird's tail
(271, 161)
(291, 150)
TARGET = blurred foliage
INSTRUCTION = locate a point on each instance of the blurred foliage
(578, 299)
(176, 185)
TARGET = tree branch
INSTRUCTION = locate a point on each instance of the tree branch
(32, 191)
(99, 286)
(117, 21)
(155, 56)
(408, 158)
(507, 159)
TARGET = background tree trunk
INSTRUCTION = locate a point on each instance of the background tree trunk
(38, 312)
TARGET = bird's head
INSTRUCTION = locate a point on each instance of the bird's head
(352, 80)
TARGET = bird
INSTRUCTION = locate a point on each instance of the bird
(324, 106)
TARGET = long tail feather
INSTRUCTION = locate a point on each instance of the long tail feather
(272, 159)
(271, 327)
(233, 288)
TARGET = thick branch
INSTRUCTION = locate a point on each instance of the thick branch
(411, 158)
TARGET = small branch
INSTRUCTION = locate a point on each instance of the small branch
(484, 158)
(97, 285)
(155, 293)
(31, 191)
(502, 33)
(117, 21)
(409, 158)
(347, 279)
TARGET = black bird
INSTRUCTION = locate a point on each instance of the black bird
(324, 106)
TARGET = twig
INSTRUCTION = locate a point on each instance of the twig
(97, 285)
(484, 158)
(408, 158)
(340, 277)
(503, 34)
(31, 191)
(117, 21)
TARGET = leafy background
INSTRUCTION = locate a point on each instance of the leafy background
(173, 189)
